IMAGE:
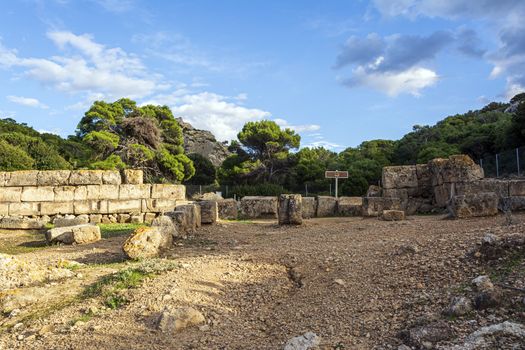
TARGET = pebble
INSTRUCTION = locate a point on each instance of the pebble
(339, 282)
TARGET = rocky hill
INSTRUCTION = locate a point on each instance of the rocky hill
(204, 143)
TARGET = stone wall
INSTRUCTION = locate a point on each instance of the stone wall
(79, 192)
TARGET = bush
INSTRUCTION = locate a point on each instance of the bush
(263, 189)
(13, 158)
(113, 162)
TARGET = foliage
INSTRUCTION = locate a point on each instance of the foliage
(262, 189)
(205, 171)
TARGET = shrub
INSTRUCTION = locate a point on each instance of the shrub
(13, 158)
(262, 189)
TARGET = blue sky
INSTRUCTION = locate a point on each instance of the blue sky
(339, 72)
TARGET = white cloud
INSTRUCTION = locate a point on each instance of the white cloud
(27, 101)
(325, 144)
(87, 67)
(210, 111)
(411, 80)
(298, 128)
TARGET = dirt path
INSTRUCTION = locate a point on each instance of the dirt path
(355, 282)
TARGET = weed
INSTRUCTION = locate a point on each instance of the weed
(116, 230)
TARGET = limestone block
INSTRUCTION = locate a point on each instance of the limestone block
(191, 219)
(21, 178)
(80, 234)
(146, 242)
(64, 193)
(374, 191)
(167, 191)
(137, 219)
(134, 191)
(256, 207)
(500, 187)
(473, 205)
(290, 210)
(399, 176)
(53, 177)
(132, 176)
(2, 178)
(90, 207)
(309, 207)
(111, 177)
(516, 188)
(102, 192)
(350, 206)
(19, 223)
(516, 203)
(4, 209)
(326, 206)
(458, 168)
(149, 217)
(124, 206)
(85, 177)
(95, 218)
(54, 208)
(393, 215)
(166, 225)
(123, 218)
(228, 209)
(209, 212)
(24, 209)
(442, 194)
(158, 205)
(71, 220)
(38, 194)
(374, 206)
(80, 193)
(10, 194)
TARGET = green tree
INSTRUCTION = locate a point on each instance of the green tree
(205, 171)
(13, 158)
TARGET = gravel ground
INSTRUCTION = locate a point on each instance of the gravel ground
(355, 282)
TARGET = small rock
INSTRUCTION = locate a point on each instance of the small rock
(306, 341)
(173, 321)
(20, 337)
(46, 329)
(431, 333)
(487, 299)
(204, 328)
(18, 326)
(489, 239)
(483, 283)
(459, 306)
(340, 282)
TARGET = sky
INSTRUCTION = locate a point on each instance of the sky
(339, 72)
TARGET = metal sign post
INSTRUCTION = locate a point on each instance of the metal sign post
(330, 174)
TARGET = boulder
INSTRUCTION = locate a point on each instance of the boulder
(474, 205)
(166, 226)
(79, 234)
(132, 176)
(209, 211)
(326, 206)
(309, 207)
(432, 333)
(459, 306)
(71, 220)
(228, 209)
(259, 207)
(393, 215)
(306, 341)
(189, 221)
(457, 168)
(349, 206)
(402, 176)
(147, 242)
(178, 319)
(290, 209)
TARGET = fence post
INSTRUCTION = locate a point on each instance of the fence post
(518, 160)
(226, 191)
(306, 190)
(481, 164)
(330, 189)
(497, 165)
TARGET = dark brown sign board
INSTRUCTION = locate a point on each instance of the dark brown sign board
(336, 174)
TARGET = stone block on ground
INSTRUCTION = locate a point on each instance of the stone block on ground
(326, 206)
(374, 206)
(474, 205)
(158, 205)
(79, 234)
(189, 221)
(146, 242)
(516, 188)
(309, 207)
(71, 220)
(111, 177)
(290, 210)
(166, 226)
(209, 212)
(374, 191)
(132, 176)
(393, 215)
(228, 209)
(173, 321)
(457, 168)
(168, 191)
(350, 206)
(259, 207)
(21, 178)
(21, 223)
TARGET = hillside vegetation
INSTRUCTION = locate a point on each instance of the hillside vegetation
(265, 158)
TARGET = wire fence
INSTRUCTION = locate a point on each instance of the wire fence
(510, 163)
